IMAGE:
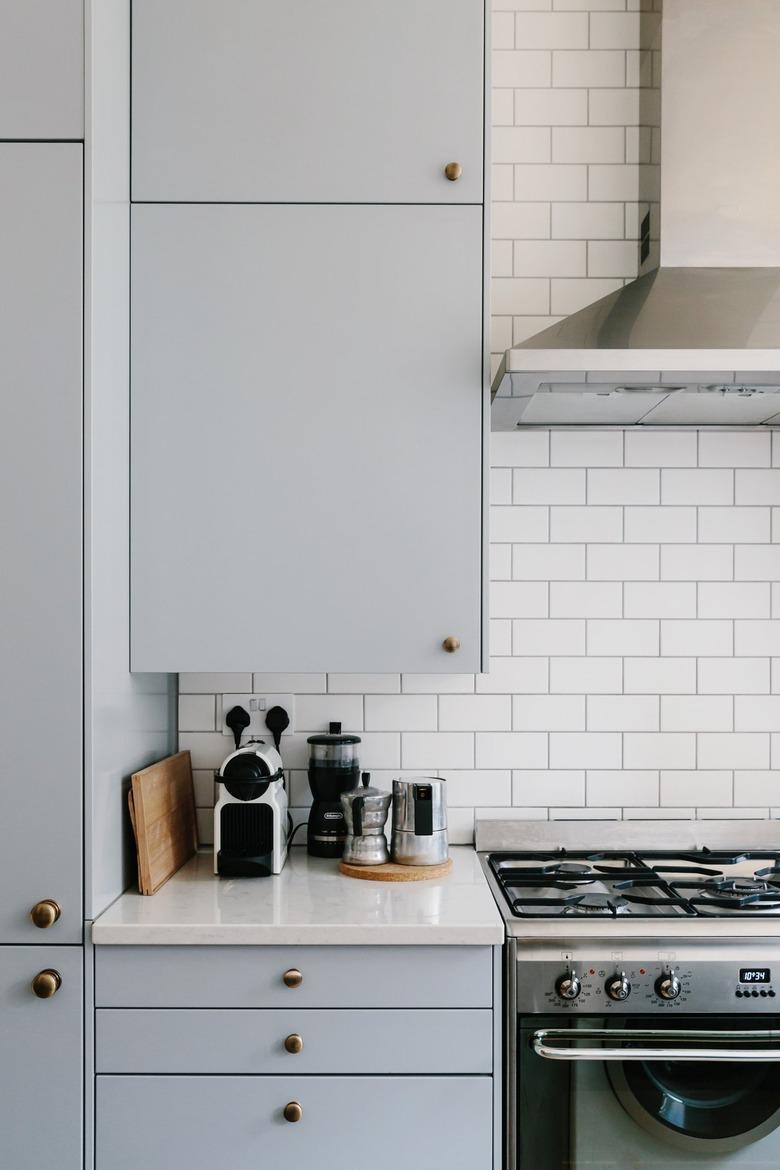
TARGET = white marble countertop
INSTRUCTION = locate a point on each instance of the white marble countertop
(310, 903)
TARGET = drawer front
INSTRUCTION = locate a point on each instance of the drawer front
(333, 977)
(199, 1123)
(251, 1041)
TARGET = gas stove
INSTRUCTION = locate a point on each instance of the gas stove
(699, 883)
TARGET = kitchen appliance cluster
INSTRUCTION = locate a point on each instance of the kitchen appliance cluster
(253, 827)
(641, 1023)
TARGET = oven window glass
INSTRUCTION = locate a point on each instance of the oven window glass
(647, 1115)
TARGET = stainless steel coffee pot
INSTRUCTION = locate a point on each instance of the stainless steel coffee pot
(419, 821)
(365, 811)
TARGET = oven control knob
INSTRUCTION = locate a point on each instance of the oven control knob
(668, 986)
(618, 986)
(568, 986)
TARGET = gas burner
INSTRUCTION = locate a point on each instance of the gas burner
(569, 869)
(603, 904)
(736, 889)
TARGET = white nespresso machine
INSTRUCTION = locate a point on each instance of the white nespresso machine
(251, 819)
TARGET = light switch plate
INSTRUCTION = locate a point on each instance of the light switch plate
(256, 706)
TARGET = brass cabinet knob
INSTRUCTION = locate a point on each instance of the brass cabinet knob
(453, 171)
(45, 913)
(293, 1111)
(292, 978)
(294, 1043)
(47, 983)
(451, 645)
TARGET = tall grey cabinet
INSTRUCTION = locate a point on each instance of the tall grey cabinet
(308, 391)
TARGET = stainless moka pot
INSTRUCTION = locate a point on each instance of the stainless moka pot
(365, 811)
(419, 821)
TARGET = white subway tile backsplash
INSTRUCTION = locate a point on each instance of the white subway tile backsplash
(421, 684)
(439, 749)
(756, 638)
(400, 712)
(281, 684)
(733, 676)
(660, 449)
(315, 712)
(197, 712)
(552, 30)
(660, 525)
(756, 788)
(514, 68)
(590, 524)
(757, 562)
(586, 448)
(520, 221)
(615, 107)
(587, 599)
(587, 749)
(612, 788)
(623, 637)
(550, 258)
(733, 750)
(623, 486)
(588, 68)
(623, 562)
(658, 676)
(364, 684)
(475, 712)
(492, 789)
(697, 638)
(500, 637)
(622, 713)
(520, 449)
(500, 562)
(734, 525)
(589, 144)
(521, 144)
(210, 684)
(757, 487)
(613, 258)
(697, 713)
(548, 713)
(696, 787)
(696, 562)
(514, 749)
(537, 787)
(756, 712)
(514, 676)
(551, 107)
(500, 485)
(588, 221)
(734, 449)
(550, 182)
(697, 486)
(548, 637)
(569, 295)
(553, 485)
(728, 599)
(660, 599)
(518, 599)
(586, 676)
(615, 30)
(510, 525)
(659, 750)
(548, 562)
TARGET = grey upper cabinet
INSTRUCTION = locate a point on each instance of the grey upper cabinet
(307, 413)
(41, 1070)
(41, 537)
(41, 69)
(362, 101)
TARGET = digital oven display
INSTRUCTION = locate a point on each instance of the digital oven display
(755, 975)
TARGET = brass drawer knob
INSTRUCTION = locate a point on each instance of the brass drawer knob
(47, 983)
(451, 645)
(45, 913)
(293, 1111)
(294, 1043)
(292, 978)
(453, 171)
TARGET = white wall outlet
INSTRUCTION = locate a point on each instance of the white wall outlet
(256, 707)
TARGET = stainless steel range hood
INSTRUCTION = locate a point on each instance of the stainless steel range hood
(713, 304)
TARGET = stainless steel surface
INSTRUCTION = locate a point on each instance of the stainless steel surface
(668, 986)
(367, 849)
(404, 801)
(568, 986)
(494, 836)
(618, 987)
(365, 811)
(409, 849)
(664, 1045)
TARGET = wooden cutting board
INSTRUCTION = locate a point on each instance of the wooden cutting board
(162, 812)
(392, 872)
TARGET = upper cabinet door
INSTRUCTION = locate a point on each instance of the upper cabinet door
(41, 724)
(306, 420)
(364, 101)
(41, 69)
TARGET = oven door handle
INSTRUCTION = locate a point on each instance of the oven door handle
(664, 1045)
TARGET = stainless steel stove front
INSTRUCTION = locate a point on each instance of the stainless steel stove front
(630, 1053)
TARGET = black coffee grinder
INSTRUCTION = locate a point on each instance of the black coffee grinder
(333, 768)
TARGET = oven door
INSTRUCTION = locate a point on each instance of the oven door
(596, 1093)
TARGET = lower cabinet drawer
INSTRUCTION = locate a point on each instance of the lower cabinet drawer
(199, 1123)
(330, 977)
(293, 1041)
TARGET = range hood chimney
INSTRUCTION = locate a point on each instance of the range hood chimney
(709, 296)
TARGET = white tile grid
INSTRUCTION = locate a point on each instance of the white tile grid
(630, 679)
(576, 116)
